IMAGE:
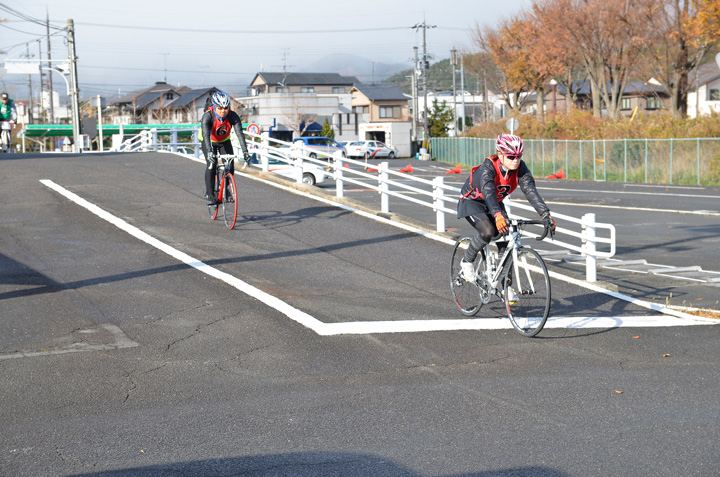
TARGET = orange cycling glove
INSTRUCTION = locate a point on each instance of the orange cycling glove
(501, 223)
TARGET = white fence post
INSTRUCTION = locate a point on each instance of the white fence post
(439, 202)
(264, 148)
(195, 140)
(299, 169)
(339, 191)
(383, 187)
(154, 140)
(589, 246)
(173, 136)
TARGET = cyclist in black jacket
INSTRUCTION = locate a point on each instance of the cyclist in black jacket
(483, 192)
(215, 127)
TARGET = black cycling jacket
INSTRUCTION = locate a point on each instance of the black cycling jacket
(208, 121)
(486, 180)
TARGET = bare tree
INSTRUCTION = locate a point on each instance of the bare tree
(299, 120)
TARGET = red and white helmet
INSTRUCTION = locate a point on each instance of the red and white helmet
(509, 145)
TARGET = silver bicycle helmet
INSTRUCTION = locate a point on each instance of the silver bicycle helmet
(221, 100)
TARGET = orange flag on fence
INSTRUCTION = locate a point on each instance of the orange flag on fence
(558, 175)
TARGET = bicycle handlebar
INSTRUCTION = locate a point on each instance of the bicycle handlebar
(228, 158)
(533, 222)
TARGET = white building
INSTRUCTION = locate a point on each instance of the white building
(704, 94)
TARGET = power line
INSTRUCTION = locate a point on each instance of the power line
(254, 32)
(26, 17)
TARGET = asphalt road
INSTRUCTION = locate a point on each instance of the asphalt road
(298, 344)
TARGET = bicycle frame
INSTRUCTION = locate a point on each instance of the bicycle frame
(223, 167)
(6, 137)
(224, 181)
(494, 271)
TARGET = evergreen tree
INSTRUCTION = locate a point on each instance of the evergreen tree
(441, 116)
(327, 131)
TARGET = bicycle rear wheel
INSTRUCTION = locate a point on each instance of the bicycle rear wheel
(529, 280)
(229, 200)
(466, 294)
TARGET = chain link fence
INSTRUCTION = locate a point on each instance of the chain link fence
(653, 161)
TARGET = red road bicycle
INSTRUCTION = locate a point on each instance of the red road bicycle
(225, 192)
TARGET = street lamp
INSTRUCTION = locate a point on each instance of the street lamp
(553, 84)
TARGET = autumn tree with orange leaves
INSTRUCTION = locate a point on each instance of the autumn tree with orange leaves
(502, 47)
(604, 42)
(684, 32)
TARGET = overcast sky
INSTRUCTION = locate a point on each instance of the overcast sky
(128, 45)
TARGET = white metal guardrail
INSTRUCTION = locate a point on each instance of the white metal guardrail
(148, 140)
(141, 142)
(594, 240)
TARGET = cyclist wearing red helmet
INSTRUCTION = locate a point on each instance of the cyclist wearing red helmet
(488, 185)
(215, 127)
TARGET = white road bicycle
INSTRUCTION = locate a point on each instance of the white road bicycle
(6, 137)
(519, 278)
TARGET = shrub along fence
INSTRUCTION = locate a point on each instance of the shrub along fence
(655, 161)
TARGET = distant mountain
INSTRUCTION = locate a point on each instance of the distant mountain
(363, 69)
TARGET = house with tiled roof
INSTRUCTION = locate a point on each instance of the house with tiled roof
(317, 83)
(190, 107)
(147, 106)
(380, 103)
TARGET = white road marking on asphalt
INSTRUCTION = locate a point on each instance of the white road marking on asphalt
(585, 322)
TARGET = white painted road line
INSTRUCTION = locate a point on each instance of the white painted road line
(368, 327)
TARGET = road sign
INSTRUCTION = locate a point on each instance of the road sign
(253, 128)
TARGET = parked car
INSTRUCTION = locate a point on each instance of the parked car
(312, 174)
(372, 149)
(318, 146)
(181, 149)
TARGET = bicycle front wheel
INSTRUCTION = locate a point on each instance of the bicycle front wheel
(212, 210)
(229, 200)
(6, 144)
(526, 290)
(466, 294)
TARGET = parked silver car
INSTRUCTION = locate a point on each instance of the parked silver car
(371, 149)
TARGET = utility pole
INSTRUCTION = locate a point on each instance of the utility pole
(42, 86)
(414, 100)
(74, 90)
(453, 62)
(462, 91)
(425, 62)
(30, 105)
(49, 76)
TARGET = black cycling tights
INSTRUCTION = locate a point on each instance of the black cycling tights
(217, 148)
(486, 231)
